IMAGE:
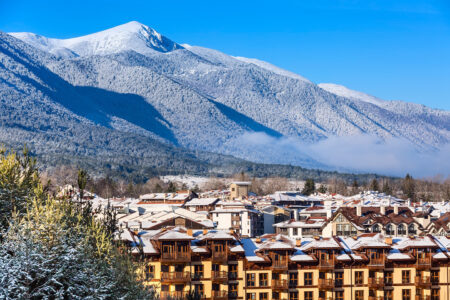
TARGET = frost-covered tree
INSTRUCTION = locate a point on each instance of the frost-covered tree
(19, 182)
(52, 253)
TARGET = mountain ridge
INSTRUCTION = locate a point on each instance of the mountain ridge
(204, 100)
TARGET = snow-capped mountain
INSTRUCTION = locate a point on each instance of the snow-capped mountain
(130, 36)
(136, 81)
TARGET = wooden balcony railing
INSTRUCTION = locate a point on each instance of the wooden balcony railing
(424, 262)
(376, 298)
(326, 265)
(219, 275)
(422, 297)
(422, 281)
(197, 276)
(280, 265)
(280, 284)
(219, 294)
(376, 263)
(232, 275)
(176, 257)
(175, 277)
(171, 295)
(376, 282)
(219, 256)
(232, 295)
(326, 284)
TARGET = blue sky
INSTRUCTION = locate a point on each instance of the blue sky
(391, 49)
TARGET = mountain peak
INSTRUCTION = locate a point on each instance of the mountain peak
(129, 36)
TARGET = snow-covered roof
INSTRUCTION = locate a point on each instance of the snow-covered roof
(201, 201)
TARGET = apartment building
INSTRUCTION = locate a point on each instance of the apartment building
(222, 265)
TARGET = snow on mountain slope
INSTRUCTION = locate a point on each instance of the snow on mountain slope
(203, 99)
(345, 92)
(130, 36)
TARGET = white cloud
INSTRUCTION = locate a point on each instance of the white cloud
(361, 153)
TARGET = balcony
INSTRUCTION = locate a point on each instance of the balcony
(423, 281)
(423, 263)
(376, 263)
(221, 276)
(219, 256)
(376, 298)
(171, 295)
(280, 284)
(232, 295)
(326, 284)
(422, 297)
(219, 295)
(197, 276)
(325, 298)
(280, 265)
(326, 265)
(176, 257)
(376, 283)
(175, 277)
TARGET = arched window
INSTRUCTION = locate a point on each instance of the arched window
(390, 229)
(401, 229)
(412, 229)
(376, 228)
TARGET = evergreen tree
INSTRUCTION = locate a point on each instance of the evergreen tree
(409, 187)
(309, 187)
(386, 188)
(374, 186)
(322, 189)
(355, 187)
(54, 253)
(172, 187)
(82, 181)
(19, 183)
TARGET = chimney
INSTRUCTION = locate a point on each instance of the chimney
(189, 232)
(396, 209)
(382, 210)
(298, 243)
(127, 208)
(329, 213)
(205, 231)
(359, 210)
(296, 214)
(388, 241)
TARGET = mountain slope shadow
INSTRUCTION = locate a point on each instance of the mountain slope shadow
(95, 104)
(244, 121)
(131, 108)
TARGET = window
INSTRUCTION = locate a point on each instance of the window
(308, 278)
(263, 296)
(388, 277)
(435, 294)
(293, 279)
(294, 231)
(250, 279)
(293, 295)
(251, 296)
(339, 229)
(199, 289)
(149, 272)
(401, 229)
(339, 278)
(435, 276)
(233, 290)
(216, 267)
(359, 279)
(308, 296)
(412, 229)
(339, 295)
(198, 272)
(263, 279)
(359, 295)
(406, 277)
(406, 294)
(390, 230)
(376, 228)
(388, 295)
(232, 272)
